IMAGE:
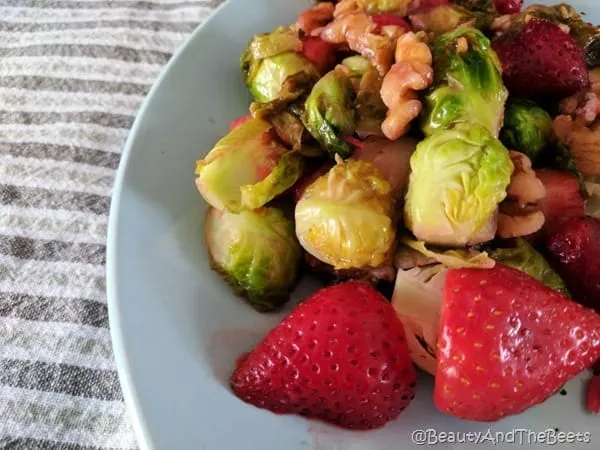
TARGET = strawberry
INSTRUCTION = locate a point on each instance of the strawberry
(573, 249)
(319, 52)
(507, 342)
(541, 60)
(340, 356)
(508, 6)
(563, 197)
(382, 20)
(592, 395)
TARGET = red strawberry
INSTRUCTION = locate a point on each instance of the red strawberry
(319, 52)
(508, 6)
(592, 395)
(507, 342)
(340, 356)
(573, 249)
(382, 20)
(541, 60)
(563, 197)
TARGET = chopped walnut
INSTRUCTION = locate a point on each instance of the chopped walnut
(519, 213)
(578, 126)
(411, 72)
(352, 26)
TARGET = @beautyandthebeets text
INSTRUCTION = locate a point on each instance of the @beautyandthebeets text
(517, 437)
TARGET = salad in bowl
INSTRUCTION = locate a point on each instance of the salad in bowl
(435, 165)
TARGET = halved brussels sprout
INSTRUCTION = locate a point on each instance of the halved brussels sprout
(247, 168)
(289, 128)
(329, 113)
(346, 217)
(468, 84)
(256, 253)
(458, 178)
(525, 258)
(527, 127)
(275, 73)
(370, 109)
(444, 18)
(455, 259)
(417, 299)
(399, 7)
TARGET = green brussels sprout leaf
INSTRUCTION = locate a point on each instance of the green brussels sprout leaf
(399, 7)
(454, 259)
(526, 259)
(256, 253)
(247, 168)
(458, 178)
(329, 113)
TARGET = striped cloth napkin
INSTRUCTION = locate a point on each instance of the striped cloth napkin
(73, 74)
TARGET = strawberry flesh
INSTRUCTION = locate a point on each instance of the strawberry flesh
(508, 6)
(340, 356)
(382, 20)
(507, 343)
(592, 395)
(573, 249)
(541, 60)
(319, 52)
(563, 198)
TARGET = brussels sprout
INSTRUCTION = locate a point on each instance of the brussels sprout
(329, 113)
(448, 17)
(458, 178)
(468, 83)
(399, 7)
(527, 127)
(275, 73)
(346, 217)
(526, 259)
(289, 128)
(357, 65)
(256, 253)
(370, 109)
(417, 299)
(455, 259)
(476, 5)
(247, 168)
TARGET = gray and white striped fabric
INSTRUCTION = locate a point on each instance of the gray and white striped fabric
(73, 74)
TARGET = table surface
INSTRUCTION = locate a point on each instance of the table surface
(73, 74)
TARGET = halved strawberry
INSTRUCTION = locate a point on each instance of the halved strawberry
(541, 60)
(573, 249)
(508, 6)
(340, 356)
(382, 20)
(507, 343)
(563, 197)
(319, 52)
